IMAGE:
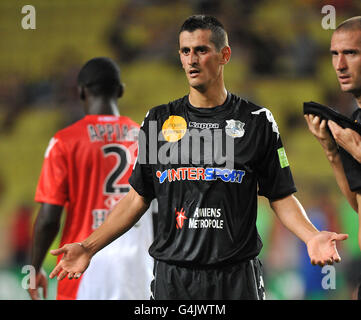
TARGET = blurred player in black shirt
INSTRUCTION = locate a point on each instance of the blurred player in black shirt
(346, 53)
(204, 157)
(346, 59)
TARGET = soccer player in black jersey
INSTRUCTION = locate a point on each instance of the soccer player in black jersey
(346, 59)
(205, 157)
(346, 53)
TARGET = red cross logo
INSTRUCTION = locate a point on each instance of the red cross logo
(180, 217)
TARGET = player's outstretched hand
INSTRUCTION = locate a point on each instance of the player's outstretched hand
(41, 281)
(322, 248)
(318, 128)
(73, 263)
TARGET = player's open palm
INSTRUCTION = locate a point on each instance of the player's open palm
(73, 263)
(322, 248)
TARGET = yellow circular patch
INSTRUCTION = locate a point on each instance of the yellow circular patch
(174, 128)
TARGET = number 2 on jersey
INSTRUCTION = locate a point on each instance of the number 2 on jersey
(122, 164)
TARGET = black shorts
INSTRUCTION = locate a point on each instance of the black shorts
(243, 281)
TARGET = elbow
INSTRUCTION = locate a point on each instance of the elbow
(44, 225)
(355, 208)
(48, 221)
(354, 204)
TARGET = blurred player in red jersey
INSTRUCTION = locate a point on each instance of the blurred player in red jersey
(86, 170)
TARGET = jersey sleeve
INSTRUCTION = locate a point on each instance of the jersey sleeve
(53, 182)
(141, 179)
(274, 175)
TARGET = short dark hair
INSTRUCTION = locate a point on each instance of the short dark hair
(204, 22)
(353, 23)
(101, 76)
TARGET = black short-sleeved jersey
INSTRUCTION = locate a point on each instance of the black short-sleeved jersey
(205, 166)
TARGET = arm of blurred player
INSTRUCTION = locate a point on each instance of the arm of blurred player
(46, 227)
(321, 245)
(77, 256)
(347, 139)
(319, 130)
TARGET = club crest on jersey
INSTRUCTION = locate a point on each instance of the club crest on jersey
(180, 217)
(235, 128)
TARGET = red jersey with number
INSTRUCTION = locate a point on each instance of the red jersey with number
(86, 169)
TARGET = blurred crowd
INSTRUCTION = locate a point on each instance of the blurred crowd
(273, 42)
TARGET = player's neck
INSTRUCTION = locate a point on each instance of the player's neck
(358, 101)
(210, 98)
(102, 106)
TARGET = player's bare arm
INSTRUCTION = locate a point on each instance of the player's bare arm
(321, 245)
(347, 139)
(46, 227)
(77, 256)
(318, 128)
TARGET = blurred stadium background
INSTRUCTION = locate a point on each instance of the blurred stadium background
(280, 58)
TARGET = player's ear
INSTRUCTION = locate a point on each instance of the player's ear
(121, 90)
(226, 54)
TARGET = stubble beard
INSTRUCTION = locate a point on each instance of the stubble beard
(354, 90)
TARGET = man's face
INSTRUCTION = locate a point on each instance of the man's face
(346, 59)
(200, 59)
